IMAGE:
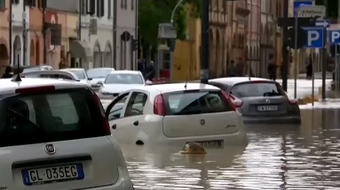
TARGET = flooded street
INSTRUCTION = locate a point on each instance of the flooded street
(277, 157)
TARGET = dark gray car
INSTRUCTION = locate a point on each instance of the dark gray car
(260, 100)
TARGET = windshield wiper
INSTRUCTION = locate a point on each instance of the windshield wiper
(23, 118)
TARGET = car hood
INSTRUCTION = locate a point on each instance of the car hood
(118, 88)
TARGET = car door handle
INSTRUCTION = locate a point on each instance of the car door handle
(136, 123)
(114, 126)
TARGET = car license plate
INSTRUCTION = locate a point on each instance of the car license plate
(52, 174)
(267, 108)
(217, 143)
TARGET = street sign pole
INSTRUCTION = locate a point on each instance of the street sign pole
(313, 79)
(336, 67)
(295, 54)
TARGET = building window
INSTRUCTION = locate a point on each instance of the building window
(132, 4)
(109, 9)
(14, 1)
(123, 4)
(91, 6)
(2, 4)
(84, 8)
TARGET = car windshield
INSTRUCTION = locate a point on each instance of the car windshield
(186, 103)
(31, 69)
(256, 89)
(79, 74)
(119, 78)
(59, 116)
(98, 73)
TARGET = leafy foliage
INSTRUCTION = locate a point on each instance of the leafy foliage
(153, 12)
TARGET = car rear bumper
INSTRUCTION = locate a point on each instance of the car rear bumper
(122, 184)
(296, 119)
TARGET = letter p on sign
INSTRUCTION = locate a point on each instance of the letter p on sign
(313, 36)
(335, 35)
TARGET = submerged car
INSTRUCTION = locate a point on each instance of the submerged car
(80, 73)
(176, 113)
(260, 100)
(54, 135)
(98, 75)
(120, 81)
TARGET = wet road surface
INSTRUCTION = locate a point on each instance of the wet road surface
(277, 157)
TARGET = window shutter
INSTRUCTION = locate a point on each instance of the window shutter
(2, 3)
(92, 7)
(109, 9)
(98, 8)
(102, 8)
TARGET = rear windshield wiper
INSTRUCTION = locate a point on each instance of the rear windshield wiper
(23, 118)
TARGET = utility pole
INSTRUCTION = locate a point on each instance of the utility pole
(205, 42)
(44, 33)
(24, 36)
(285, 51)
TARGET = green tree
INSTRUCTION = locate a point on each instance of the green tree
(153, 12)
(332, 7)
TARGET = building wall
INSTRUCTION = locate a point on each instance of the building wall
(101, 43)
(17, 33)
(53, 52)
(126, 22)
(36, 36)
(253, 37)
(4, 37)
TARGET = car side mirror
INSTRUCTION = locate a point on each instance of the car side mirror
(100, 83)
(148, 82)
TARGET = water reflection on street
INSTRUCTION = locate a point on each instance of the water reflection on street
(277, 157)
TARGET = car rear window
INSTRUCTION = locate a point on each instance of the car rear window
(58, 116)
(195, 102)
(255, 89)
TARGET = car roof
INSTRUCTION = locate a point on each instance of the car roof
(7, 85)
(166, 88)
(235, 80)
(125, 72)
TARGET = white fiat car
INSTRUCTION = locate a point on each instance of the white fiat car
(54, 135)
(176, 113)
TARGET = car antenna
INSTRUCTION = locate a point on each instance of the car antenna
(185, 85)
(17, 77)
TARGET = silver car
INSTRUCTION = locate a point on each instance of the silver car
(80, 73)
(260, 100)
(98, 76)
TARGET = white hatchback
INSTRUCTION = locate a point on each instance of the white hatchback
(176, 113)
(54, 135)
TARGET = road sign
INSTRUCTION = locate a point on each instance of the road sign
(323, 23)
(334, 37)
(297, 4)
(166, 31)
(315, 37)
(312, 10)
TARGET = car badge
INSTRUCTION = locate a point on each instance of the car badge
(267, 101)
(50, 149)
(202, 121)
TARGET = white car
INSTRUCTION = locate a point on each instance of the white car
(120, 81)
(98, 75)
(176, 113)
(80, 73)
(54, 135)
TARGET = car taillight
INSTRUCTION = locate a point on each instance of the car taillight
(103, 119)
(158, 106)
(230, 102)
(237, 102)
(35, 90)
